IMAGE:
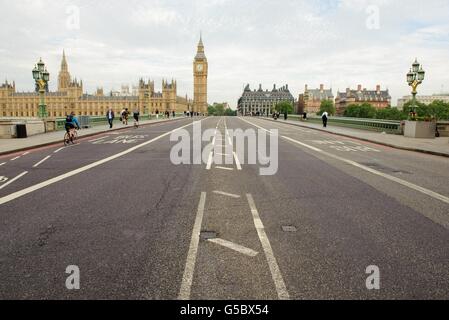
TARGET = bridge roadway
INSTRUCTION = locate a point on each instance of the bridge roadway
(115, 206)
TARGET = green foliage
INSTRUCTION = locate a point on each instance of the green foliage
(438, 110)
(365, 110)
(390, 114)
(327, 106)
(284, 106)
(219, 110)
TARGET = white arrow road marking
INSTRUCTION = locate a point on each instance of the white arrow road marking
(187, 279)
(235, 247)
(227, 194)
(271, 259)
(42, 161)
(12, 180)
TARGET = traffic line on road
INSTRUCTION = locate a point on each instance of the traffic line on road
(13, 180)
(187, 279)
(97, 139)
(14, 159)
(211, 154)
(2, 164)
(402, 182)
(224, 168)
(42, 161)
(227, 194)
(235, 247)
(237, 161)
(271, 259)
(72, 173)
(56, 151)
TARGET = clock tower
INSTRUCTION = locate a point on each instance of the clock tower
(200, 70)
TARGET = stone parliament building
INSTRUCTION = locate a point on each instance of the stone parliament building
(70, 96)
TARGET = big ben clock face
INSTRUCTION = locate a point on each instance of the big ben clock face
(199, 67)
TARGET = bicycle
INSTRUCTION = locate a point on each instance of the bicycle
(70, 137)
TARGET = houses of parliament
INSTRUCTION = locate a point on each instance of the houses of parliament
(70, 96)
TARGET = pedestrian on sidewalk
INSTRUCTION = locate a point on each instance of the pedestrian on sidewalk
(110, 116)
(285, 116)
(325, 117)
(157, 114)
(174, 114)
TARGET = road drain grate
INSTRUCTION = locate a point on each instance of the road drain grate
(289, 229)
(208, 235)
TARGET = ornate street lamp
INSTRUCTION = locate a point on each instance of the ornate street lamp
(414, 78)
(42, 77)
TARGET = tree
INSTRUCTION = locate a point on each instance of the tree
(327, 106)
(219, 110)
(230, 113)
(284, 106)
(365, 110)
(211, 110)
(390, 114)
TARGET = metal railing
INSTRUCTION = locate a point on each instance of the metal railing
(388, 126)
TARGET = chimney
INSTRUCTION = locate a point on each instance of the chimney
(359, 88)
(306, 88)
(378, 89)
(286, 87)
(321, 87)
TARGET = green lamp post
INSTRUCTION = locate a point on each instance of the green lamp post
(415, 77)
(42, 77)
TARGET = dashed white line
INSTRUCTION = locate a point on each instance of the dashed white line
(2, 164)
(13, 180)
(42, 161)
(227, 194)
(56, 151)
(14, 159)
(187, 279)
(271, 259)
(97, 139)
(235, 247)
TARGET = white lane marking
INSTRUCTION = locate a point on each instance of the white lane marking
(227, 194)
(187, 278)
(222, 154)
(97, 139)
(235, 247)
(14, 159)
(211, 155)
(237, 161)
(56, 151)
(3, 179)
(13, 180)
(42, 161)
(44, 184)
(2, 164)
(25, 153)
(407, 184)
(224, 168)
(271, 259)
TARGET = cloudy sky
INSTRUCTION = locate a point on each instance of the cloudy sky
(339, 43)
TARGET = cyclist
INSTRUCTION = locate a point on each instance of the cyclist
(136, 115)
(71, 122)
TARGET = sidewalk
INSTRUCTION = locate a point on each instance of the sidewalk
(8, 146)
(438, 146)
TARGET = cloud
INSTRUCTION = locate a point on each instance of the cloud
(286, 41)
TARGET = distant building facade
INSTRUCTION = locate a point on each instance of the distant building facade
(263, 102)
(70, 97)
(312, 98)
(379, 99)
(424, 99)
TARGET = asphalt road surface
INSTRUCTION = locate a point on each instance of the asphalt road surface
(140, 227)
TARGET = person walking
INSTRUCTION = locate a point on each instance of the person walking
(325, 117)
(157, 114)
(136, 115)
(125, 115)
(110, 116)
